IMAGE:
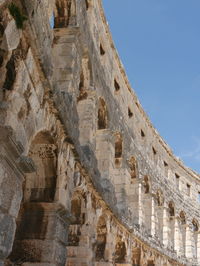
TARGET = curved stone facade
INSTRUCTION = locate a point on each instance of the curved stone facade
(85, 179)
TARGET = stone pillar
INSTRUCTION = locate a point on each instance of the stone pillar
(198, 247)
(177, 236)
(87, 119)
(165, 227)
(41, 235)
(110, 248)
(104, 152)
(147, 212)
(140, 209)
(153, 218)
(129, 253)
(13, 166)
(188, 244)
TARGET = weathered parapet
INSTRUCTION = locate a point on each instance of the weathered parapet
(88, 111)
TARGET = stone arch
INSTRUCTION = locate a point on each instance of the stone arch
(136, 256)
(159, 202)
(64, 13)
(146, 184)
(38, 202)
(150, 263)
(171, 209)
(182, 218)
(41, 185)
(147, 201)
(120, 251)
(78, 204)
(102, 114)
(87, 4)
(101, 239)
(195, 234)
(183, 225)
(85, 80)
(171, 227)
(78, 209)
(159, 198)
(133, 168)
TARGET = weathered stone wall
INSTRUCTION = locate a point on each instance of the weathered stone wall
(85, 179)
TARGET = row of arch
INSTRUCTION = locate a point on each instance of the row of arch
(103, 123)
(173, 235)
(39, 206)
(109, 246)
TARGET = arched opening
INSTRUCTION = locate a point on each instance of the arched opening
(183, 232)
(150, 263)
(101, 239)
(64, 13)
(102, 115)
(85, 78)
(120, 251)
(41, 185)
(133, 168)
(171, 211)
(118, 148)
(195, 232)
(159, 198)
(87, 4)
(136, 256)
(159, 201)
(147, 206)
(37, 205)
(146, 185)
(78, 204)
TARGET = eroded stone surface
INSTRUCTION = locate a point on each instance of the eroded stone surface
(84, 177)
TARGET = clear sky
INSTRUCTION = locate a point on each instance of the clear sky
(159, 44)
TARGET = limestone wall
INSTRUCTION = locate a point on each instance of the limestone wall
(85, 178)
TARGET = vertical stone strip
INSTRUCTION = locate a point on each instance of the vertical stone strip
(140, 212)
(198, 248)
(165, 227)
(176, 236)
(188, 243)
(153, 218)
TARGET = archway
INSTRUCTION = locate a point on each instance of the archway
(183, 232)
(38, 220)
(118, 148)
(102, 115)
(78, 204)
(171, 213)
(133, 168)
(120, 251)
(195, 231)
(64, 13)
(101, 239)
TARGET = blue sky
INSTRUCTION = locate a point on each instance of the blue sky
(159, 44)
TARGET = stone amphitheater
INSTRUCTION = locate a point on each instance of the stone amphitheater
(85, 179)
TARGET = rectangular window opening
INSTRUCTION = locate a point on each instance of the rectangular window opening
(199, 196)
(116, 84)
(177, 180)
(154, 151)
(130, 113)
(142, 133)
(165, 164)
(188, 189)
(102, 51)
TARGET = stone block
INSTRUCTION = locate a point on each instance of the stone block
(11, 37)
(7, 233)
